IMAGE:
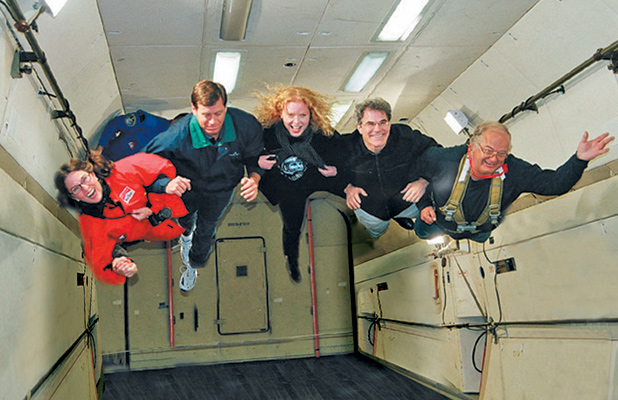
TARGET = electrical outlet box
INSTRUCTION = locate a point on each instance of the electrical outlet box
(506, 265)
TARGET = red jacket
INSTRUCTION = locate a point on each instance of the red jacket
(127, 182)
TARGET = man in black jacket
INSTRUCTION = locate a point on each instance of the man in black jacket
(381, 168)
(472, 185)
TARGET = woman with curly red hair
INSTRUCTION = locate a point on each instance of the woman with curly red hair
(299, 157)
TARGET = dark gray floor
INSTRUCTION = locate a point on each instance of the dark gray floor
(350, 376)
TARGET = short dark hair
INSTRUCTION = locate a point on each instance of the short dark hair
(207, 93)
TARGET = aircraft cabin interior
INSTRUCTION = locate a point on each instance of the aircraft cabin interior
(528, 313)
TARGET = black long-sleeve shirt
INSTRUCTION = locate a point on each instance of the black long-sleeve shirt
(385, 174)
(440, 166)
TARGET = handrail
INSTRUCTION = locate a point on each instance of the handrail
(608, 53)
(314, 296)
(170, 292)
(66, 112)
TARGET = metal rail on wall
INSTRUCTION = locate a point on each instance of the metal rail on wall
(38, 55)
(608, 53)
(314, 295)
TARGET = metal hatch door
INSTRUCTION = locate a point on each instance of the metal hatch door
(242, 285)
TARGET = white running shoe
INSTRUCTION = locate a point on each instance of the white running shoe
(188, 277)
(185, 247)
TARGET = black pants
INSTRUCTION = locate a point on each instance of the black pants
(292, 209)
(202, 220)
(292, 200)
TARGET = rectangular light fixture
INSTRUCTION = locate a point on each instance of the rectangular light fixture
(54, 6)
(338, 110)
(365, 70)
(456, 120)
(402, 21)
(227, 65)
(234, 19)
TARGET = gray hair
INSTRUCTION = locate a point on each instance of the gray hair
(376, 103)
(489, 125)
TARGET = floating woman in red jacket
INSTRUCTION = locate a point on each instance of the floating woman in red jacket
(121, 202)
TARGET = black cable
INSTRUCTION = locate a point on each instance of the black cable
(374, 322)
(67, 113)
(498, 296)
(495, 282)
(443, 294)
(483, 325)
(485, 254)
(478, 339)
(86, 333)
(10, 11)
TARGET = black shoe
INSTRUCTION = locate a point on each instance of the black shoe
(292, 266)
(405, 223)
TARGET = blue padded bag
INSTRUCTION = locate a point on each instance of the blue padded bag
(127, 134)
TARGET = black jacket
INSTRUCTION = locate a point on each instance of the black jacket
(440, 166)
(385, 174)
(282, 180)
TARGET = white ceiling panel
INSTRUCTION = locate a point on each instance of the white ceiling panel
(471, 22)
(160, 72)
(351, 23)
(153, 22)
(160, 48)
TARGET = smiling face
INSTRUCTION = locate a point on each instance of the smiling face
(296, 117)
(210, 118)
(489, 153)
(84, 186)
(374, 128)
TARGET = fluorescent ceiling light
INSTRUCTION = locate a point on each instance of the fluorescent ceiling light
(338, 110)
(365, 71)
(234, 19)
(227, 65)
(54, 6)
(402, 21)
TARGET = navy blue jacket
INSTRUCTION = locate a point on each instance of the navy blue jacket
(215, 168)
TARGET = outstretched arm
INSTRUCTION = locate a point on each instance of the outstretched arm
(589, 149)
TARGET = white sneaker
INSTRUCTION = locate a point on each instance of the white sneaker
(185, 247)
(188, 277)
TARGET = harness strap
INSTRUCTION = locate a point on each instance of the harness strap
(453, 210)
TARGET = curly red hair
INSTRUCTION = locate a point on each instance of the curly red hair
(272, 104)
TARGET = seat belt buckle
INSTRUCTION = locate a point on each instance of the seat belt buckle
(466, 228)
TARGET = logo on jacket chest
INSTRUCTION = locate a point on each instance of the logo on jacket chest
(126, 195)
(293, 168)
